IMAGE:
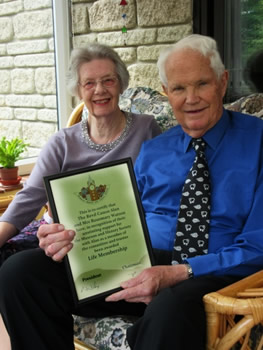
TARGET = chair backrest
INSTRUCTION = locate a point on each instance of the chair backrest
(251, 104)
(145, 100)
(75, 115)
(139, 100)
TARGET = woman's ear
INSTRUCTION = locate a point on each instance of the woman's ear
(165, 89)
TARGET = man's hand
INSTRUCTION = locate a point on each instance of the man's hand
(55, 240)
(149, 282)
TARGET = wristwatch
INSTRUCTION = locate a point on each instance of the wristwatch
(189, 270)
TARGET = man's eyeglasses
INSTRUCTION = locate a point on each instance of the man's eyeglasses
(106, 83)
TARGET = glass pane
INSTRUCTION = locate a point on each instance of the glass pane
(251, 34)
(243, 38)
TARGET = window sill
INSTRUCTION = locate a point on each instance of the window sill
(26, 166)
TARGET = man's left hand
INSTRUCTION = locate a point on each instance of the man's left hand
(144, 287)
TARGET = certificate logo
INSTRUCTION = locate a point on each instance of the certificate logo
(92, 192)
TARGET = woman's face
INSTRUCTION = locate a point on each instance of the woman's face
(99, 87)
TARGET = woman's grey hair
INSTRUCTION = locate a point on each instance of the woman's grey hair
(203, 44)
(92, 52)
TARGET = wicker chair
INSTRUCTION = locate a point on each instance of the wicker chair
(232, 313)
(75, 115)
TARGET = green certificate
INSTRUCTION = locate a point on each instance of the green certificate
(102, 205)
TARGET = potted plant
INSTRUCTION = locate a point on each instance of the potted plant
(10, 151)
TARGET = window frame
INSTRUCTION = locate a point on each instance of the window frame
(61, 10)
(221, 19)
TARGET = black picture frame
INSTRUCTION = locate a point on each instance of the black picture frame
(112, 238)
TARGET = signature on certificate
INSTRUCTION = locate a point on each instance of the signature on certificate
(93, 285)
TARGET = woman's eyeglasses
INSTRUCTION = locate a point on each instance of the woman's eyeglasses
(106, 83)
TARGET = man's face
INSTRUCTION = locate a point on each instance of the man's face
(194, 91)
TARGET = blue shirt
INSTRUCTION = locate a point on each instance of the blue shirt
(234, 154)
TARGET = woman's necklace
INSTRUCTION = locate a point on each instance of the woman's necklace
(107, 146)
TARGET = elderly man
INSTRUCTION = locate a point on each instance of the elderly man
(195, 81)
(205, 224)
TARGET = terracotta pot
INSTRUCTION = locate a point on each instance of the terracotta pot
(8, 174)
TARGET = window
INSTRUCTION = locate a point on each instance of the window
(236, 25)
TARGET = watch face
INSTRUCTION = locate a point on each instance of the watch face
(189, 270)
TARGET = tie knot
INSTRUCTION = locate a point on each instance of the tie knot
(199, 145)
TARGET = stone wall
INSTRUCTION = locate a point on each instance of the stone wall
(27, 72)
(151, 25)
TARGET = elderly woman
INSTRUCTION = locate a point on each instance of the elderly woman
(98, 77)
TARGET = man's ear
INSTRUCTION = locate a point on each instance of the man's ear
(224, 81)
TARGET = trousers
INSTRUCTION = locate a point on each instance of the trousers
(36, 304)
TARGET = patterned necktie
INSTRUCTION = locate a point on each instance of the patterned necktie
(194, 214)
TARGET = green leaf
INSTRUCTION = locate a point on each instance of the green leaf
(10, 151)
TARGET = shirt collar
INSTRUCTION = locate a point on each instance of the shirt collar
(213, 136)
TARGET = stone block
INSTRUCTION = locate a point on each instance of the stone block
(149, 53)
(6, 113)
(10, 129)
(78, 1)
(47, 115)
(25, 113)
(38, 133)
(37, 60)
(128, 54)
(27, 47)
(6, 29)
(5, 82)
(3, 50)
(2, 100)
(22, 81)
(173, 34)
(45, 81)
(51, 44)
(132, 37)
(24, 101)
(84, 40)
(6, 62)
(80, 19)
(11, 7)
(36, 4)
(144, 75)
(50, 101)
(107, 15)
(156, 12)
(35, 24)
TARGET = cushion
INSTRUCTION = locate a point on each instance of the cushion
(252, 104)
(103, 333)
(144, 100)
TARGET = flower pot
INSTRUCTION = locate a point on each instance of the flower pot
(9, 176)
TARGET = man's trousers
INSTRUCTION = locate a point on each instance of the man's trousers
(36, 304)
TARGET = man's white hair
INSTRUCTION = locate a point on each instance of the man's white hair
(205, 45)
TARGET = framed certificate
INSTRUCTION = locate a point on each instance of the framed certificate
(102, 205)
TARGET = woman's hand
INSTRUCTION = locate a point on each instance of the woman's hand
(55, 240)
(149, 282)
(7, 231)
